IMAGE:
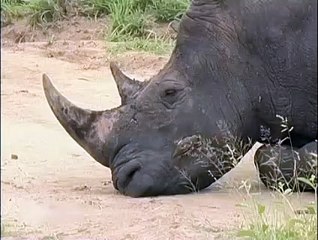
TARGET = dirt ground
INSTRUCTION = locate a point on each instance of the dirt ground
(52, 189)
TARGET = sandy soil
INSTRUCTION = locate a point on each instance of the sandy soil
(52, 189)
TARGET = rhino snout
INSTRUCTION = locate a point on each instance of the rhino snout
(131, 179)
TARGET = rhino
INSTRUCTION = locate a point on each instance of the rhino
(250, 66)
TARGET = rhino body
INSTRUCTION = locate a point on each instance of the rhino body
(240, 68)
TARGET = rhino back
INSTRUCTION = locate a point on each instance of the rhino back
(280, 38)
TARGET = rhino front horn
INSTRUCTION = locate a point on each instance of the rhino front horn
(127, 87)
(89, 129)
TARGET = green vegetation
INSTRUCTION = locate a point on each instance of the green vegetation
(280, 221)
(284, 221)
(132, 21)
(136, 18)
(44, 13)
(13, 9)
(154, 45)
(128, 20)
(161, 10)
(168, 10)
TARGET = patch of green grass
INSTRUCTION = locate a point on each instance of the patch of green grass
(127, 20)
(281, 224)
(44, 12)
(96, 8)
(285, 222)
(168, 10)
(12, 10)
(162, 10)
(39, 11)
(281, 220)
(12, 2)
(131, 20)
(158, 46)
(278, 220)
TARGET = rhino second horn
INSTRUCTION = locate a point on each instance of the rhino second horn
(90, 129)
(174, 25)
(127, 87)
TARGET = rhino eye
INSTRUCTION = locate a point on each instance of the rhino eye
(170, 92)
(170, 96)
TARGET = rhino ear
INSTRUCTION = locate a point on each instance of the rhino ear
(126, 86)
(90, 129)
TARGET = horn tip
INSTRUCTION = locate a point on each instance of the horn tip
(46, 80)
(113, 66)
(112, 63)
(48, 86)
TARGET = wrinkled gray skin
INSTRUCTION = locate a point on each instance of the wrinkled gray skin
(236, 62)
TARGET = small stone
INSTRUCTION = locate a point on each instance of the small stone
(14, 156)
(81, 188)
(105, 183)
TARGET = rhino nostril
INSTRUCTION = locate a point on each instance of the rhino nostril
(131, 174)
(126, 174)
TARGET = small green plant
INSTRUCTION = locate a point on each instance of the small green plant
(40, 12)
(127, 21)
(132, 19)
(44, 13)
(282, 223)
(168, 10)
(96, 8)
(302, 173)
(278, 222)
(157, 46)
(12, 10)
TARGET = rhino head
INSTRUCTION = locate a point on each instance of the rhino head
(191, 95)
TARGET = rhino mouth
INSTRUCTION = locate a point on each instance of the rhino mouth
(137, 172)
(144, 173)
